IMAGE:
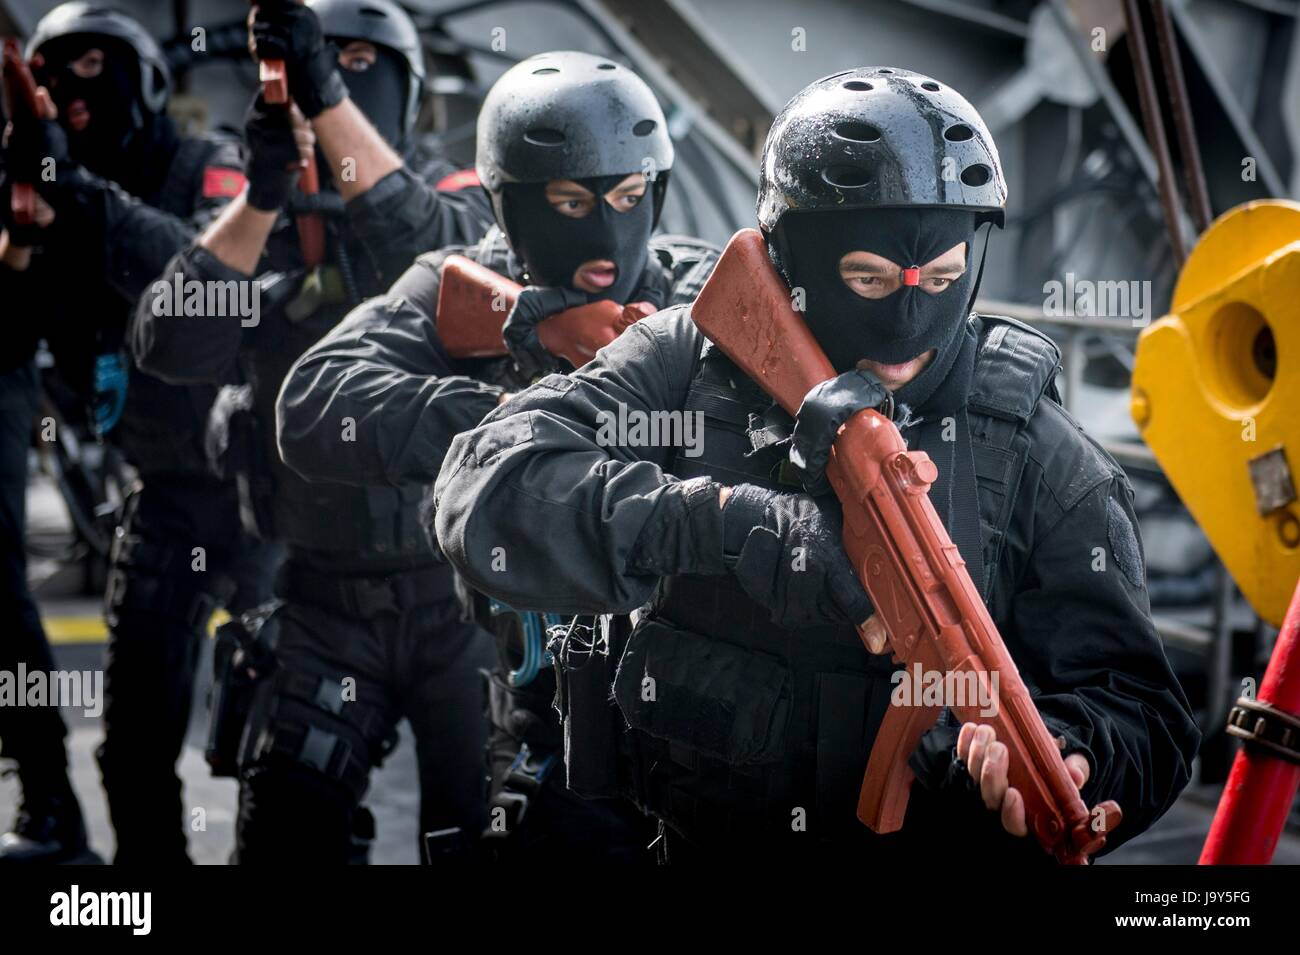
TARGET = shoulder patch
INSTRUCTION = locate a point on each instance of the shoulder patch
(1123, 542)
(462, 179)
(1014, 366)
(221, 183)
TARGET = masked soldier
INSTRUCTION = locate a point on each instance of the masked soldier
(762, 704)
(565, 142)
(127, 192)
(366, 634)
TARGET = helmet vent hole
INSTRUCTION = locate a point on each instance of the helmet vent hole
(858, 86)
(545, 137)
(884, 71)
(857, 132)
(606, 66)
(846, 177)
(958, 133)
(645, 127)
(932, 86)
(977, 175)
(545, 70)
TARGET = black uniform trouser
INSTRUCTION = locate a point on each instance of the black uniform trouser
(31, 735)
(161, 593)
(345, 677)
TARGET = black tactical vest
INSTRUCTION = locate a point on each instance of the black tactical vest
(743, 725)
(163, 425)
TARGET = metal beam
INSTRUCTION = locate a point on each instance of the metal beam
(707, 74)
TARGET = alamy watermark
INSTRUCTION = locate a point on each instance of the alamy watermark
(77, 908)
(75, 688)
(916, 686)
(1085, 298)
(179, 297)
(633, 428)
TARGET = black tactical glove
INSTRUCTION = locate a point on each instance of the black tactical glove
(534, 304)
(273, 161)
(788, 555)
(291, 32)
(30, 145)
(822, 414)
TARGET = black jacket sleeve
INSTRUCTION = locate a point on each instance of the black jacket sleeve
(187, 350)
(376, 400)
(1082, 635)
(535, 507)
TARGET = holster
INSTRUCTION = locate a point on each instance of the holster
(586, 656)
(243, 656)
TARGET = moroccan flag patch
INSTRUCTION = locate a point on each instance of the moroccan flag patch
(458, 180)
(222, 183)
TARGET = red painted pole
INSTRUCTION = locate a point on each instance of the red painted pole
(1262, 785)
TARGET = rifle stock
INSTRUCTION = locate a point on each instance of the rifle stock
(21, 98)
(905, 559)
(474, 302)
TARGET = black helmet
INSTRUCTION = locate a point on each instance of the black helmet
(568, 115)
(385, 24)
(72, 19)
(879, 136)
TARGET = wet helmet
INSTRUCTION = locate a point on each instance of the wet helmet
(879, 137)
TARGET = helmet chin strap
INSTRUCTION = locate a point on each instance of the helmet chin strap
(979, 273)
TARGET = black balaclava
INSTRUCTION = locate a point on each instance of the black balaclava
(900, 326)
(552, 245)
(380, 92)
(112, 100)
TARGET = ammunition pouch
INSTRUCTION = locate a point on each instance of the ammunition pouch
(718, 699)
(586, 655)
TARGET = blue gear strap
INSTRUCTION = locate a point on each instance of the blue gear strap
(110, 391)
(534, 627)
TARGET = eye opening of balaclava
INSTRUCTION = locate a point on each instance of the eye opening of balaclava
(380, 91)
(904, 324)
(108, 110)
(552, 245)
